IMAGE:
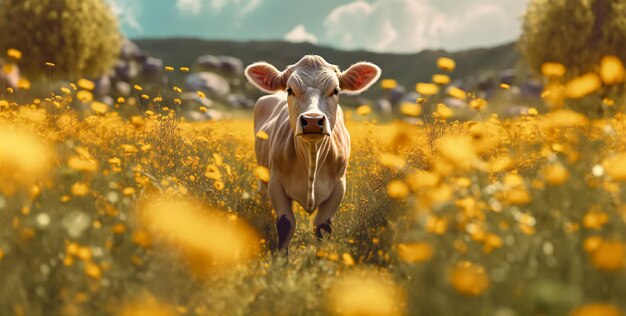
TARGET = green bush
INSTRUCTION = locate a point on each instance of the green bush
(81, 38)
(573, 32)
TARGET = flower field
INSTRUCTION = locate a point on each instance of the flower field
(131, 210)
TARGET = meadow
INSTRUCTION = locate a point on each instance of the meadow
(132, 210)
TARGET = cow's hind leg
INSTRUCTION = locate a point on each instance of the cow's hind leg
(327, 210)
(285, 219)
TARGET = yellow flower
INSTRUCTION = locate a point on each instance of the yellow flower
(14, 53)
(391, 161)
(80, 189)
(410, 109)
(415, 252)
(556, 174)
(505, 86)
(184, 69)
(446, 64)
(597, 309)
(477, 103)
(138, 87)
(554, 70)
(84, 96)
(426, 88)
(397, 189)
(609, 256)
(457, 93)
(615, 167)
(99, 107)
(262, 173)
(469, 278)
(201, 94)
(443, 111)
(611, 70)
(440, 79)
(177, 89)
(86, 84)
(363, 110)
(262, 134)
(388, 84)
(50, 64)
(583, 85)
(169, 68)
(213, 173)
(364, 293)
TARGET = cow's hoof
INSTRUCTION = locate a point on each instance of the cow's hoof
(325, 227)
(283, 227)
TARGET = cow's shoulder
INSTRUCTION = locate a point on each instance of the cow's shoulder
(268, 107)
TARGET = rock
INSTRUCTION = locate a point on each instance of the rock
(126, 70)
(130, 50)
(239, 100)
(193, 99)
(9, 74)
(108, 100)
(103, 86)
(231, 65)
(382, 106)
(123, 88)
(207, 82)
(531, 88)
(396, 94)
(208, 61)
(152, 67)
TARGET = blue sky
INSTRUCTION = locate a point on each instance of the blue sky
(377, 25)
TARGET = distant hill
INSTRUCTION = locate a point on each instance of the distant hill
(407, 69)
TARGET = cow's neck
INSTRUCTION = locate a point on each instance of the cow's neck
(310, 156)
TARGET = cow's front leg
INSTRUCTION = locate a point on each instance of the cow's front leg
(285, 219)
(327, 210)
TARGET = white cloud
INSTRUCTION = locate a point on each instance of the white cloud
(299, 34)
(126, 12)
(412, 25)
(189, 6)
(195, 6)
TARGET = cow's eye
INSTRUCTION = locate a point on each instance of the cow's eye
(336, 91)
(289, 91)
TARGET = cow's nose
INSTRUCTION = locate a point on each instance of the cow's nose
(312, 123)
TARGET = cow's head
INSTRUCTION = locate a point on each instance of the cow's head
(313, 87)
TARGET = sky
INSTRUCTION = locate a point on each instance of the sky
(398, 26)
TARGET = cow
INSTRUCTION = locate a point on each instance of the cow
(308, 145)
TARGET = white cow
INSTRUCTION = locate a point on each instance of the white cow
(308, 146)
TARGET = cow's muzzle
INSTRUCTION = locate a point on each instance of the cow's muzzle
(314, 123)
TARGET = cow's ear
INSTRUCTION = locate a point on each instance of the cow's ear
(358, 77)
(266, 77)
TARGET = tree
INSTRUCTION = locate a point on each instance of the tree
(81, 37)
(575, 33)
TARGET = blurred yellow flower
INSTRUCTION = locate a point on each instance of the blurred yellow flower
(426, 88)
(14, 53)
(443, 111)
(415, 252)
(457, 93)
(169, 68)
(615, 167)
(363, 110)
(595, 219)
(207, 237)
(469, 278)
(388, 84)
(365, 293)
(610, 255)
(99, 107)
(84, 96)
(457, 149)
(391, 160)
(24, 158)
(397, 189)
(262, 134)
(410, 109)
(583, 85)
(262, 173)
(86, 84)
(146, 305)
(554, 70)
(611, 70)
(596, 309)
(80, 188)
(446, 64)
(556, 174)
(213, 173)
(440, 79)
(477, 104)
